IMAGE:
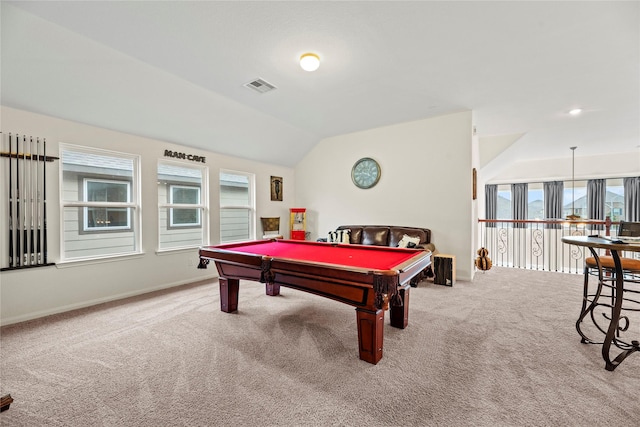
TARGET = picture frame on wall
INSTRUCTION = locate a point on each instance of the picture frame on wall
(475, 183)
(276, 188)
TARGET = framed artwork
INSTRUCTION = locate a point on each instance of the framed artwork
(276, 188)
(475, 183)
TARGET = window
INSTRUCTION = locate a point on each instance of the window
(575, 198)
(181, 205)
(504, 202)
(100, 203)
(535, 201)
(237, 206)
(614, 201)
(181, 217)
(99, 219)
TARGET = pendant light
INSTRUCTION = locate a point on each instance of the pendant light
(573, 215)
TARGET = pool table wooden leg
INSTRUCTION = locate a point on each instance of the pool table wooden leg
(272, 289)
(229, 294)
(400, 315)
(370, 334)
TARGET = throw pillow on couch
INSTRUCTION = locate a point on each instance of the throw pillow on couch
(339, 236)
(408, 242)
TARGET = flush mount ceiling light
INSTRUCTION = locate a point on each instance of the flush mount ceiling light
(309, 61)
(575, 111)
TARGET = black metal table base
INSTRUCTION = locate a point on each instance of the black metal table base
(606, 311)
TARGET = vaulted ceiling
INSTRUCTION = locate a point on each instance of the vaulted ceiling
(176, 70)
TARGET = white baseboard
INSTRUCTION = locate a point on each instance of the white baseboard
(84, 304)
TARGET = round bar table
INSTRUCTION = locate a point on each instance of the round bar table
(590, 302)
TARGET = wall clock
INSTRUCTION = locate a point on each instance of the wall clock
(365, 173)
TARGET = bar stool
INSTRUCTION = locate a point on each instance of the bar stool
(606, 276)
(630, 266)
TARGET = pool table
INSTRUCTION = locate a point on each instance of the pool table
(370, 278)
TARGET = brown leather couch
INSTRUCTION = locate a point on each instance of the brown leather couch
(385, 235)
(388, 235)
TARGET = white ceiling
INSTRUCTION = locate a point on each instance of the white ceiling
(175, 70)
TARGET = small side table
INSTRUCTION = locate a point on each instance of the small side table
(444, 269)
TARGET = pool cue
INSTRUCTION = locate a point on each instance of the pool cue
(10, 205)
(18, 257)
(38, 234)
(44, 200)
(32, 186)
(25, 242)
(28, 203)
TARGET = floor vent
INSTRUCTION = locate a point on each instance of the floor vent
(260, 85)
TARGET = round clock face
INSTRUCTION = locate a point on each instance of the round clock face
(365, 173)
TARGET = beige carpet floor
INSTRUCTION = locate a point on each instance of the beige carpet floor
(501, 351)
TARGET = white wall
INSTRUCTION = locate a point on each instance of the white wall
(425, 182)
(35, 292)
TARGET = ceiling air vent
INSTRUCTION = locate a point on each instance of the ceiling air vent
(260, 85)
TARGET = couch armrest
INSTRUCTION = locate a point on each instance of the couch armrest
(427, 247)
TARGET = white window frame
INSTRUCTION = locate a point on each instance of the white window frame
(134, 204)
(203, 206)
(192, 206)
(110, 205)
(251, 208)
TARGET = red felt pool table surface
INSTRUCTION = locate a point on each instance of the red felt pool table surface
(378, 258)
